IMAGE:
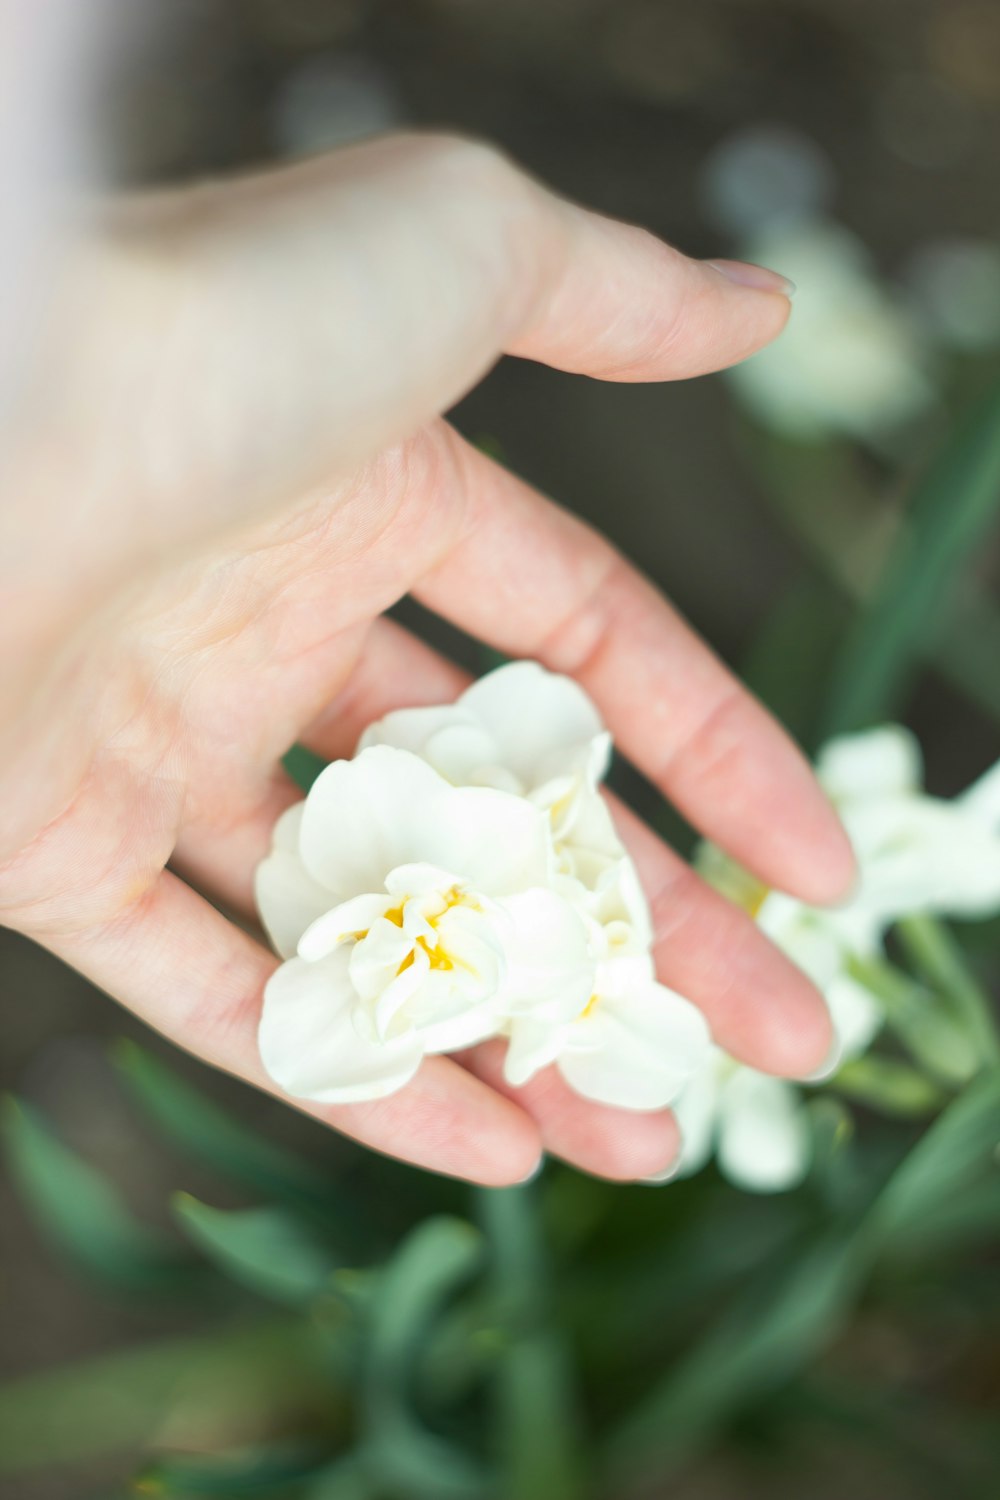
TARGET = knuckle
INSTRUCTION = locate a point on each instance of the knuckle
(468, 160)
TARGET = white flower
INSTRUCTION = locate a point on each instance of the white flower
(524, 730)
(461, 879)
(850, 359)
(915, 854)
(635, 1045)
(755, 1124)
(518, 728)
(532, 732)
(422, 916)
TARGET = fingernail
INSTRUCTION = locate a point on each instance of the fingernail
(758, 277)
(536, 1171)
(659, 1177)
(829, 1065)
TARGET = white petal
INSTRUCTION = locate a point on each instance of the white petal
(537, 719)
(387, 808)
(855, 1012)
(620, 898)
(349, 919)
(413, 728)
(376, 961)
(463, 1029)
(396, 992)
(549, 969)
(696, 1112)
(533, 1045)
(288, 898)
(636, 1049)
(309, 1045)
(764, 1143)
(924, 854)
(477, 947)
(287, 830)
(982, 800)
(465, 754)
(804, 936)
(878, 763)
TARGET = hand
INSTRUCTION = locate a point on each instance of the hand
(229, 462)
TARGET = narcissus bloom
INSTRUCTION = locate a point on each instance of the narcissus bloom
(916, 854)
(756, 1125)
(421, 914)
(461, 878)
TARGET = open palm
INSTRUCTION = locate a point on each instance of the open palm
(266, 362)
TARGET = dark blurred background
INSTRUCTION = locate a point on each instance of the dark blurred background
(722, 125)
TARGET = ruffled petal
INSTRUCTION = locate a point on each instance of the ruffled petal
(533, 1045)
(538, 720)
(982, 800)
(856, 1015)
(309, 1045)
(696, 1110)
(764, 1143)
(365, 817)
(288, 899)
(884, 762)
(463, 1029)
(549, 968)
(412, 728)
(350, 919)
(924, 854)
(637, 1048)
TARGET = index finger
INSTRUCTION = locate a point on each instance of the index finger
(534, 581)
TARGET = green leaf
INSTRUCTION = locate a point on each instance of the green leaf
(432, 1262)
(780, 1322)
(950, 512)
(935, 953)
(206, 1133)
(225, 1386)
(537, 1428)
(958, 1156)
(259, 1471)
(789, 663)
(303, 766)
(921, 1019)
(892, 1087)
(400, 1452)
(344, 1480)
(822, 496)
(264, 1249)
(81, 1212)
(406, 1458)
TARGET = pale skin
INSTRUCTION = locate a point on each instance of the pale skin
(227, 461)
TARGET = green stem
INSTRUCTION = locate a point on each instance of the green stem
(537, 1423)
(934, 952)
(914, 1014)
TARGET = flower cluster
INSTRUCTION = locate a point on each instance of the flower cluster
(461, 879)
(916, 855)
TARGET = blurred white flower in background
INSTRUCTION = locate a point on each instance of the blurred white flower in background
(954, 289)
(756, 1126)
(851, 359)
(857, 356)
(916, 855)
(461, 879)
